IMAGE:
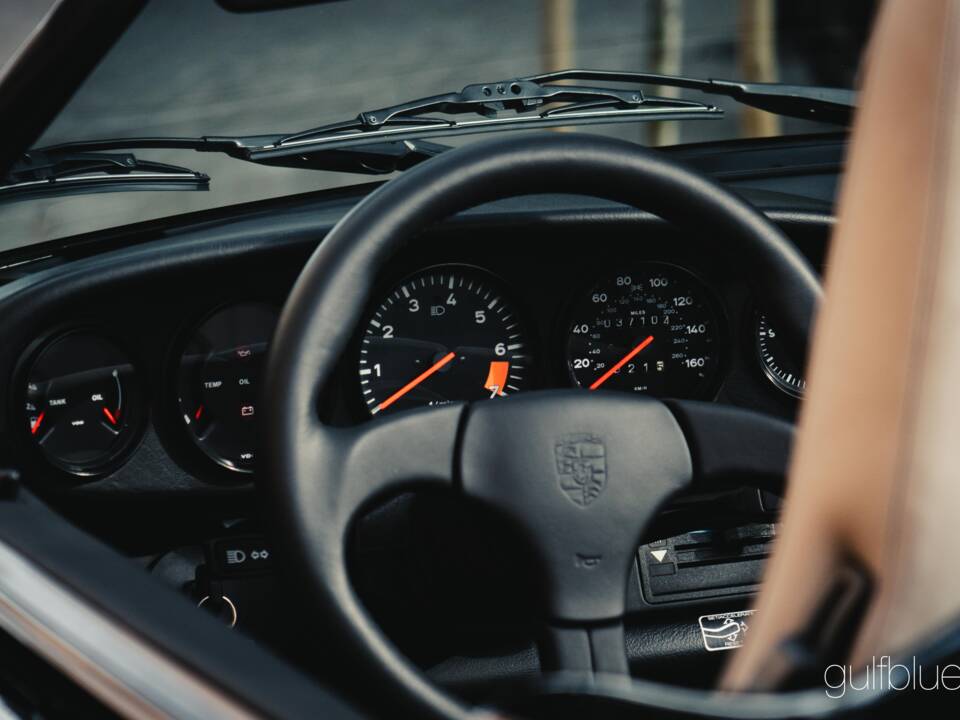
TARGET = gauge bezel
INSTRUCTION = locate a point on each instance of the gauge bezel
(388, 285)
(774, 379)
(136, 429)
(229, 471)
(709, 390)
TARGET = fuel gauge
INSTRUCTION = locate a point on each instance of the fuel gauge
(83, 402)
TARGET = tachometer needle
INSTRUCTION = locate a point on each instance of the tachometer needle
(416, 381)
(623, 361)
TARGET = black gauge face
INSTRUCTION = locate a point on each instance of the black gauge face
(784, 372)
(83, 405)
(444, 334)
(219, 382)
(651, 330)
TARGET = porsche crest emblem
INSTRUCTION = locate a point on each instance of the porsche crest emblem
(582, 467)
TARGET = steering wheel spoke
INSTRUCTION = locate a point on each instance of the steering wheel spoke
(381, 457)
(585, 649)
(733, 446)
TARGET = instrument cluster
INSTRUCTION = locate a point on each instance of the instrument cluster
(457, 333)
(443, 333)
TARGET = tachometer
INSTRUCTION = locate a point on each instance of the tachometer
(444, 334)
(650, 330)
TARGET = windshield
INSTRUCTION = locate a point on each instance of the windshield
(189, 68)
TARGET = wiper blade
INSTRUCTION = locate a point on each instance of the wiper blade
(534, 101)
(43, 173)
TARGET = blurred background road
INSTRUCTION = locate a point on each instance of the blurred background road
(189, 68)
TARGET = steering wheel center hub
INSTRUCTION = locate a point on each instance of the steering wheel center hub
(580, 474)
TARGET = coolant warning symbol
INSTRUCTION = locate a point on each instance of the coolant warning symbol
(724, 631)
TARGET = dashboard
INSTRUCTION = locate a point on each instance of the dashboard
(163, 379)
(132, 398)
(133, 360)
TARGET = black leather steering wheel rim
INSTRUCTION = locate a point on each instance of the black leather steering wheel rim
(325, 306)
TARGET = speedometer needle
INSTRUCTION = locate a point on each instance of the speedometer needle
(623, 361)
(416, 381)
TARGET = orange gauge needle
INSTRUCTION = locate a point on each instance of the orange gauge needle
(623, 361)
(110, 416)
(36, 423)
(416, 381)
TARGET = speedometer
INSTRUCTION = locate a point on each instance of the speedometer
(652, 330)
(444, 334)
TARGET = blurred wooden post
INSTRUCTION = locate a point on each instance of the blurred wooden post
(666, 58)
(758, 61)
(557, 38)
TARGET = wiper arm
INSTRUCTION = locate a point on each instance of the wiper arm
(42, 173)
(390, 139)
(541, 101)
(383, 141)
(834, 106)
(82, 167)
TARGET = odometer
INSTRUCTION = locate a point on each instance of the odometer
(444, 334)
(651, 330)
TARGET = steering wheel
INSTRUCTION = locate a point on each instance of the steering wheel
(631, 453)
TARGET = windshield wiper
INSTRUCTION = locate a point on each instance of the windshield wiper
(389, 139)
(541, 100)
(61, 173)
(537, 101)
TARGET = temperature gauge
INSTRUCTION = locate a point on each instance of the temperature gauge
(220, 382)
(83, 403)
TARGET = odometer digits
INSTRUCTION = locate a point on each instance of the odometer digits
(444, 334)
(651, 330)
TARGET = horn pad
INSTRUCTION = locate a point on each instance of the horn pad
(581, 475)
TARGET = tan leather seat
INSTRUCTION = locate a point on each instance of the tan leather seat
(876, 471)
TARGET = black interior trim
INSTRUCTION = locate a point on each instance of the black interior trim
(139, 601)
